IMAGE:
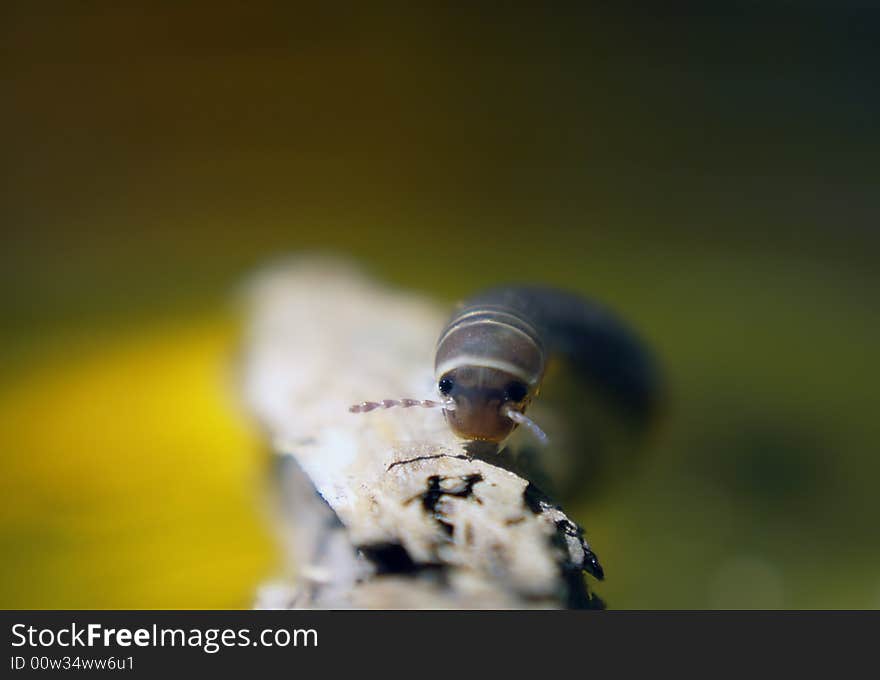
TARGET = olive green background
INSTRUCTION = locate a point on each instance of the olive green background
(710, 173)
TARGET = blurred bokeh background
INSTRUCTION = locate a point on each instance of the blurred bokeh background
(712, 173)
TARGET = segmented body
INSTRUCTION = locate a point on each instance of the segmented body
(493, 352)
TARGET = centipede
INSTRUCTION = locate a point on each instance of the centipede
(492, 355)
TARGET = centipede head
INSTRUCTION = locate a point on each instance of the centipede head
(489, 403)
(479, 403)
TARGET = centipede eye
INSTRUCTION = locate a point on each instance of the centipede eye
(445, 385)
(515, 391)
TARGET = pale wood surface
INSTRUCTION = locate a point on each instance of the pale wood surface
(408, 518)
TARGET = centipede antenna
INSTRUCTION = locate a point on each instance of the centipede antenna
(367, 406)
(523, 419)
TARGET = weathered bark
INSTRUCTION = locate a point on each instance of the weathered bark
(405, 515)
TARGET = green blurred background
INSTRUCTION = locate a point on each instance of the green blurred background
(711, 173)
